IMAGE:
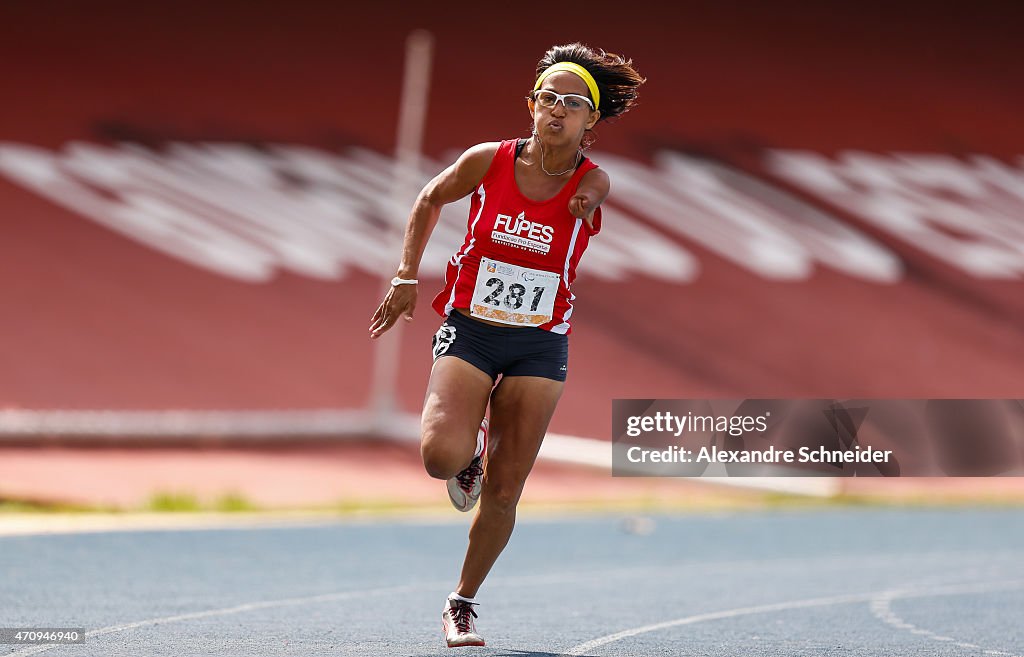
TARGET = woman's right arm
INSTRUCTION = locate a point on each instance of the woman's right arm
(450, 185)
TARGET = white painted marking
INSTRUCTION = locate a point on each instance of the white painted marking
(882, 610)
(583, 648)
(535, 580)
(237, 609)
(727, 613)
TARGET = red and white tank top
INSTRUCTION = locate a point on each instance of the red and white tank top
(519, 258)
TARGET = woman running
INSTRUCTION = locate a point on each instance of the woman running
(507, 299)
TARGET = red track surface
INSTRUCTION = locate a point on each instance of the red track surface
(352, 475)
(376, 475)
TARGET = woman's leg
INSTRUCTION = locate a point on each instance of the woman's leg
(521, 408)
(454, 406)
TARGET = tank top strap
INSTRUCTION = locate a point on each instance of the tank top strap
(504, 161)
(585, 166)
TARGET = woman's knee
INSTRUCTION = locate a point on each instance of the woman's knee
(443, 457)
(437, 460)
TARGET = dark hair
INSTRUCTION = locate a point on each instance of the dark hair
(617, 80)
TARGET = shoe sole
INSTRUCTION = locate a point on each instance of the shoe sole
(464, 645)
(455, 492)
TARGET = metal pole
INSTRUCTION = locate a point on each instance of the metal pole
(419, 47)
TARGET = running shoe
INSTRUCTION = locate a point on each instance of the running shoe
(464, 488)
(457, 622)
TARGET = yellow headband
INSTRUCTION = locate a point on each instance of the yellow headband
(578, 70)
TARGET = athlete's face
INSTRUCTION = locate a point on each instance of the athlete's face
(567, 120)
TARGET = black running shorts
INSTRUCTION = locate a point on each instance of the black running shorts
(505, 350)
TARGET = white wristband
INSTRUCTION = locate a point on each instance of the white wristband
(403, 281)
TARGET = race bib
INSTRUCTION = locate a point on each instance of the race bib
(515, 295)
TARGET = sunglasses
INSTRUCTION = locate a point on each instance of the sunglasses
(572, 102)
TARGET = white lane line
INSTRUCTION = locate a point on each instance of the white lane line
(717, 615)
(546, 579)
(881, 608)
(512, 581)
(586, 647)
(209, 613)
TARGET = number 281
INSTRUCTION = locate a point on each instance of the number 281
(514, 298)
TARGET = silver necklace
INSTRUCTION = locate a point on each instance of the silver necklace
(579, 154)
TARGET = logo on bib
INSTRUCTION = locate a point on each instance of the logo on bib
(522, 233)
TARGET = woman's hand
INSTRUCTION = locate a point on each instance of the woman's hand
(400, 300)
(455, 182)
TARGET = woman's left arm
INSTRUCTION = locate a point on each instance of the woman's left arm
(592, 191)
